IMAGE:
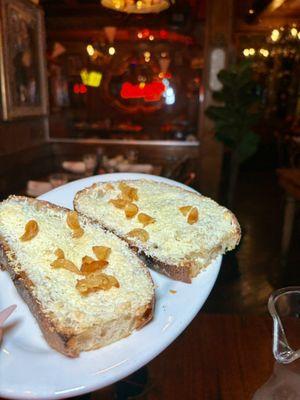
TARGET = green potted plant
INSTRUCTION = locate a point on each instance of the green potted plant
(235, 117)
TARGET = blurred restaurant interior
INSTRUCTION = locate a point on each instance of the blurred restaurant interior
(205, 92)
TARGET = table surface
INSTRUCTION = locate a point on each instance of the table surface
(224, 357)
(219, 357)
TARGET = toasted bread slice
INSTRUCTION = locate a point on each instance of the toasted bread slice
(72, 317)
(185, 232)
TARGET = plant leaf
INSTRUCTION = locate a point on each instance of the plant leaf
(236, 115)
(247, 146)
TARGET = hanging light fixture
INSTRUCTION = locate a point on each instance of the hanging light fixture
(137, 6)
(284, 41)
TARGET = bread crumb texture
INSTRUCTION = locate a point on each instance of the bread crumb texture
(55, 288)
(171, 238)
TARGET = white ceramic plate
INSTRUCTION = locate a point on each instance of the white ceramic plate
(30, 369)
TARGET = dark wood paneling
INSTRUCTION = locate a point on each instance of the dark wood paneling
(18, 167)
(21, 134)
(24, 153)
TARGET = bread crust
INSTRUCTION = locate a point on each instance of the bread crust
(61, 338)
(184, 272)
(24, 285)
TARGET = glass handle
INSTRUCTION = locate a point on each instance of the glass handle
(282, 351)
(282, 303)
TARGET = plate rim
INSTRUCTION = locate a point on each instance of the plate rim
(122, 373)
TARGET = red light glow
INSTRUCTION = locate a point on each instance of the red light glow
(79, 88)
(167, 75)
(148, 91)
(145, 33)
(83, 89)
(163, 34)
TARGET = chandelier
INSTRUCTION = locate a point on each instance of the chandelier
(137, 6)
(284, 41)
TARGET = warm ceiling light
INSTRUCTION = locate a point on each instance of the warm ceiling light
(90, 50)
(151, 37)
(137, 6)
(251, 51)
(246, 52)
(275, 35)
(264, 52)
(111, 51)
(251, 11)
(147, 54)
(294, 32)
(275, 4)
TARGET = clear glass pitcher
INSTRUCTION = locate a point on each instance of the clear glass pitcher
(284, 384)
(284, 303)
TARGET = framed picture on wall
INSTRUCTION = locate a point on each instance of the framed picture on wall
(22, 60)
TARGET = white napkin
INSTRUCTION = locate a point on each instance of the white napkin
(113, 162)
(142, 168)
(36, 188)
(77, 167)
